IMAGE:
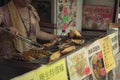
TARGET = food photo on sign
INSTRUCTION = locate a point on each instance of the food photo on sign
(78, 65)
(97, 67)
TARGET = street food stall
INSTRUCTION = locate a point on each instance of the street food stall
(78, 54)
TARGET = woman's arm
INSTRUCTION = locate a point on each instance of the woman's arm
(46, 36)
(43, 35)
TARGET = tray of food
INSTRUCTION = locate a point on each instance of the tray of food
(33, 56)
(53, 50)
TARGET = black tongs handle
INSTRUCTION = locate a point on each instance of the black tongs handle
(6, 29)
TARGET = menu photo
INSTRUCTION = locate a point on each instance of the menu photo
(78, 65)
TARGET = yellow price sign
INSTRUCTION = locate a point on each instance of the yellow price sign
(54, 71)
(108, 57)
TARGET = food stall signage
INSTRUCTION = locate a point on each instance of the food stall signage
(55, 71)
(114, 42)
(78, 65)
(93, 48)
(108, 57)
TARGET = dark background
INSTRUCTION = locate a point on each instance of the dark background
(2, 2)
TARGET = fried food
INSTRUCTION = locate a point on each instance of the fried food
(55, 56)
(32, 55)
(77, 33)
(68, 49)
(77, 41)
(74, 33)
(63, 45)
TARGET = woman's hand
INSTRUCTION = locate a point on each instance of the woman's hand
(13, 31)
(55, 39)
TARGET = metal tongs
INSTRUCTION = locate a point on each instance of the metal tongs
(33, 43)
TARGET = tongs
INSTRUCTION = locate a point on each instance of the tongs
(33, 43)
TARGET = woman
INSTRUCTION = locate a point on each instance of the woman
(21, 19)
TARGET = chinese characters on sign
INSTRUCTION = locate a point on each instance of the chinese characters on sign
(55, 71)
(93, 48)
(108, 57)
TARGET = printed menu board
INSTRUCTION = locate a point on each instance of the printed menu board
(78, 65)
(96, 61)
(114, 42)
(55, 71)
(108, 57)
(93, 48)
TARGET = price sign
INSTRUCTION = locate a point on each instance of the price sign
(108, 56)
(55, 71)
